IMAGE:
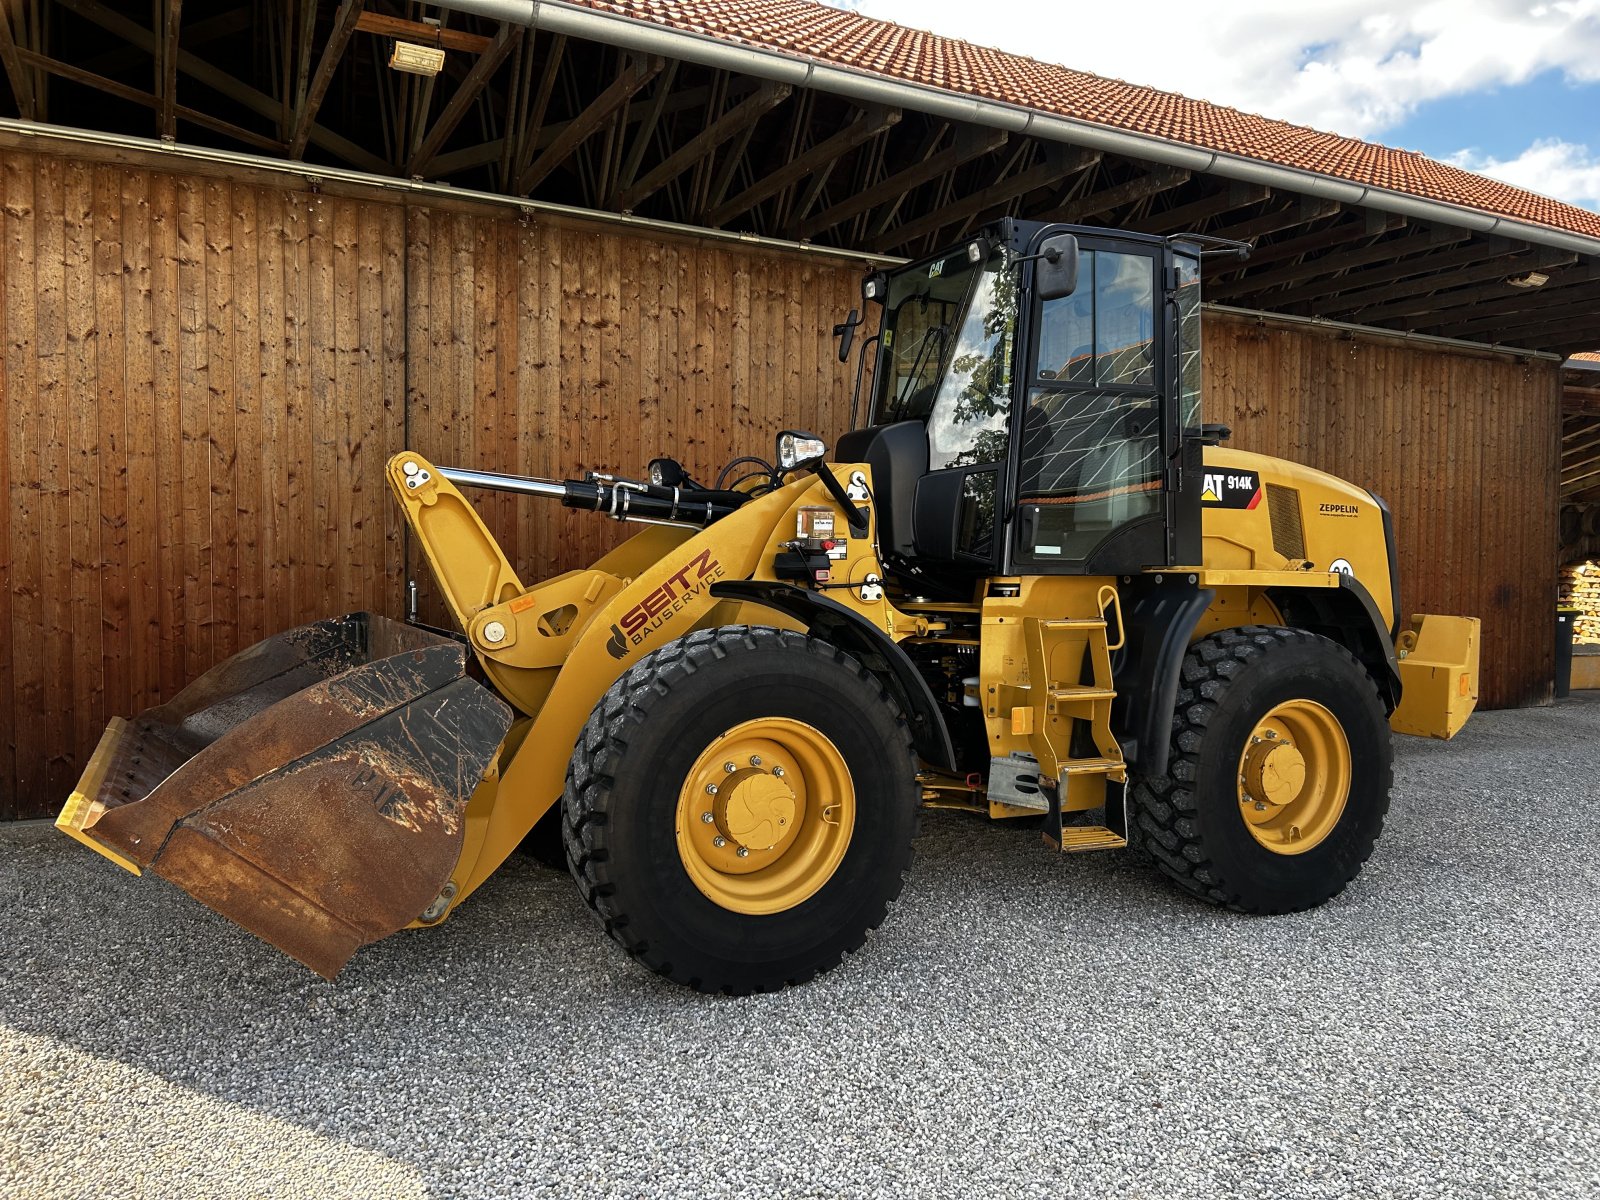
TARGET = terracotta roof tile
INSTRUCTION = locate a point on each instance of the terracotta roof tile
(846, 39)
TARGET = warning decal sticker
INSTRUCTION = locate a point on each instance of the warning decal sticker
(1231, 489)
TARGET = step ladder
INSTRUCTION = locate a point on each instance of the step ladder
(1069, 664)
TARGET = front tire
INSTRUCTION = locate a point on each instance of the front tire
(1279, 774)
(740, 808)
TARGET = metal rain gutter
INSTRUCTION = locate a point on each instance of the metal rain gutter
(647, 38)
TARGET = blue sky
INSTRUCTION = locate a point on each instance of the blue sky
(1505, 88)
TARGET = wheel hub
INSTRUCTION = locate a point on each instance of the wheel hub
(765, 815)
(1275, 772)
(1294, 777)
(755, 809)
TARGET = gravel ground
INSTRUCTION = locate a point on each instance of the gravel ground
(1023, 1025)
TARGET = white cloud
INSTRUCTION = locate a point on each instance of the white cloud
(1355, 67)
(1550, 167)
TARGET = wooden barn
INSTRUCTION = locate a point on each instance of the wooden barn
(250, 251)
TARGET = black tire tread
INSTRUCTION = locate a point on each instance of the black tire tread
(640, 695)
(1165, 805)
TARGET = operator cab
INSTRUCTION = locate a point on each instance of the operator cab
(1034, 405)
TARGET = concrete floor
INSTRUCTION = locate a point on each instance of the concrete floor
(1022, 1025)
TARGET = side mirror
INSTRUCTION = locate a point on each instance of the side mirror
(845, 331)
(1055, 271)
(800, 451)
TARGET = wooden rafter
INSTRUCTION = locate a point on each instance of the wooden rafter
(968, 146)
(344, 25)
(1108, 199)
(1188, 218)
(864, 127)
(1400, 257)
(740, 117)
(217, 79)
(133, 95)
(1291, 216)
(1464, 303)
(1343, 233)
(468, 91)
(637, 72)
(21, 83)
(629, 171)
(417, 31)
(167, 69)
(1059, 162)
(1423, 294)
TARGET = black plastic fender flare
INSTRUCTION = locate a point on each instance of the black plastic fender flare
(850, 631)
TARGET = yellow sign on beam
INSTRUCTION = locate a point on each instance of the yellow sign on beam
(418, 60)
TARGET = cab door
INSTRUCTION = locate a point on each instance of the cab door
(1093, 450)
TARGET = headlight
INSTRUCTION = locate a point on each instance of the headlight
(796, 450)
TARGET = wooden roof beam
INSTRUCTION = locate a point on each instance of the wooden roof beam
(1569, 308)
(21, 82)
(1122, 194)
(736, 120)
(201, 71)
(1303, 212)
(867, 124)
(167, 70)
(1401, 257)
(1059, 163)
(1341, 234)
(344, 25)
(968, 145)
(430, 35)
(1432, 294)
(133, 95)
(635, 74)
(504, 42)
(1187, 218)
(653, 113)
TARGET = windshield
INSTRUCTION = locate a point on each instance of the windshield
(921, 317)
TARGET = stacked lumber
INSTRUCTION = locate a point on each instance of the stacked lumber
(1580, 588)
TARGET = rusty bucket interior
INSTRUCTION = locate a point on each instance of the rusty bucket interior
(311, 788)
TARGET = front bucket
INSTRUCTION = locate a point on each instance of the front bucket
(311, 788)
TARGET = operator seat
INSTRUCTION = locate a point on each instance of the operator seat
(898, 456)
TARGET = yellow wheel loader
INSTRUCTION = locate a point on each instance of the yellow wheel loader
(1032, 585)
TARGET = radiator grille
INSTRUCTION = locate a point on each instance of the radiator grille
(1283, 508)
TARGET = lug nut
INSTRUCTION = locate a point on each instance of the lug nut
(778, 771)
(755, 760)
(707, 818)
(711, 789)
(743, 852)
(729, 768)
(719, 841)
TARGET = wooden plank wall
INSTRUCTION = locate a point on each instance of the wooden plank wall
(202, 379)
(200, 382)
(545, 348)
(1461, 446)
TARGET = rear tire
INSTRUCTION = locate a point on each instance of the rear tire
(1208, 822)
(644, 769)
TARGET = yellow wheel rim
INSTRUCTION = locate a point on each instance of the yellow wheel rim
(765, 815)
(1294, 777)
